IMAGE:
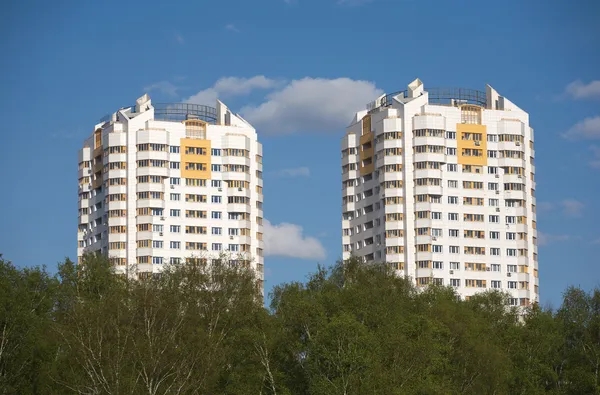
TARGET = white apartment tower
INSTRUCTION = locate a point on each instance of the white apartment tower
(168, 183)
(440, 184)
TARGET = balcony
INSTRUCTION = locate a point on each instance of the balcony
(152, 171)
(97, 183)
(429, 141)
(97, 167)
(428, 173)
(155, 203)
(429, 190)
(150, 187)
(429, 156)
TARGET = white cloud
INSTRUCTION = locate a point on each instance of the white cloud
(595, 162)
(179, 39)
(311, 105)
(164, 87)
(293, 172)
(572, 207)
(545, 239)
(287, 240)
(232, 86)
(232, 28)
(579, 90)
(589, 128)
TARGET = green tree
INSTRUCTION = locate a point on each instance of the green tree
(26, 304)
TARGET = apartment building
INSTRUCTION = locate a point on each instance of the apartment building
(171, 183)
(440, 184)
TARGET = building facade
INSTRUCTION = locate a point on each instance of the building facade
(170, 183)
(440, 184)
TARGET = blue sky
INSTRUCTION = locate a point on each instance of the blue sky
(298, 70)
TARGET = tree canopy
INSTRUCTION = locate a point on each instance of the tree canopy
(353, 328)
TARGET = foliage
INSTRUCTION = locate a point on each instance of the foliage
(350, 329)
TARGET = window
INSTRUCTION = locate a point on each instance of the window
(174, 149)
(451, 135)
(174, 165)
(453, 232)
(175, 213)
(474, 250)
(512, 285)
(436, 232)
(217, 231)
(492, 138)
(475, 283)
(453, 216)
(511, 251)
(157, 244)
(215, 152)
(493, 202)
(234, 247)
(215, 199)
(195, 182)
(175, 228)
(495, 267)
(157, 260)
(436, 215)
(455, 282)
(175, 181)
(451, 151)
(492, 170)
(452, 199)
(492, 154)
(452, 167)
(217, 246)
(511, 236)
(472, 185)
(455, 265)
(215, 183)
(472, 201)
(454, 249)
(215, 167)
(492, 186)
(157, 228)
(175, 245)
(495, 235)
(495, 251)
(452, 184)
(215, 215)
(473, 217)
(436, 248)
(511, 268)
(494, 219)
(476, 267)
(157, 212)
(437, 264)
(175, 196)
(496, 284)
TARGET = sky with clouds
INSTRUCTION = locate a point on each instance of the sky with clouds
(298, 70)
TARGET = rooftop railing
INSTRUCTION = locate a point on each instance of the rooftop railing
(175, 112)
(440, 96)
(184, 111)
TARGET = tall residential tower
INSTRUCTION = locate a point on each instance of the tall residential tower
(170, 183)
(439, 183)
